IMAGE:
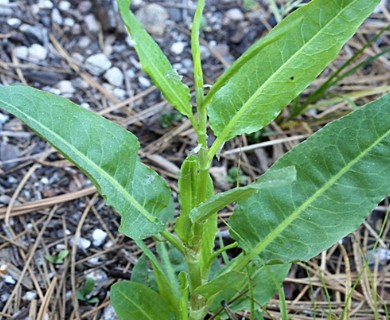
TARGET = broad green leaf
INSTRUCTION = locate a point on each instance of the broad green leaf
(104, 151)
(221, 200)
(265, 282)
(135, 301)
(232, 280)
(264, 80)
(343, 171)
(155, 63)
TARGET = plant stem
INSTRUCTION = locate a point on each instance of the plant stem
(197, 302)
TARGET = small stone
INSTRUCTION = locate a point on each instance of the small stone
(114, 76)
(84, 6)
(97, 64)
(84, 42)
(14, 22)
(64, 5)
(5, 11)
(69, 22)
(4, 199)
(144, 82)
(21, 52)
(235, 14)
(46, 4)
(45, 181)
(108, 245)
(66, 87)
(9, 152)
(34, 32)
(29, 296)
(178, 47)
(91, 23)
(56, 16)
(4, 2)
(3, 118)
(119, 93)
(154, 18)
(9, 280)
(109, 313)
(98, 236)
(37, 52)
(85, 105)
(99, 276)
(83, 243)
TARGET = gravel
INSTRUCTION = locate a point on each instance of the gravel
(97, 64)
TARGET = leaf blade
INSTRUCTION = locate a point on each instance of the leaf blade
(343, 169)
(264, 81)
(155, 63)
(104, 151)
(132, 300)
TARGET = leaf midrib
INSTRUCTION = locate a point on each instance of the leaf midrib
(295, 214)
(225, 133)
(104, 173)
(138, 307)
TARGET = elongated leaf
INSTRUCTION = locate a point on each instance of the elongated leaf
(188, 197)
(231, 280)
(135, 301)
(343, 171)
(221, 200)
(104, 151)
(155, 63)
(263, 81)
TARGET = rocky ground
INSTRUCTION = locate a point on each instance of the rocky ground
(48, 208)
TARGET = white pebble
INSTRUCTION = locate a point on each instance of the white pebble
(119, 93)
(37, 52)
(98, 236)
(114, 76)
(235, 14)
(14, 22)
(69, 22)
(21, 52)
(66, 87)
(9, 280)
(45, 4)
(144, 82)
(4, 2)
(45, 180)
(29, 296)
(3, 118)
(97, 64)
(83, 243)
(178, 47)
(91, 23)
(84, 42)
(56, 16)
(64, 5)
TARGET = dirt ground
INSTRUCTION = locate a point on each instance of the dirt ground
(48, 207)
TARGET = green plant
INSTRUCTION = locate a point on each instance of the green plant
(59, 258)
(85, 291)
(310, 198)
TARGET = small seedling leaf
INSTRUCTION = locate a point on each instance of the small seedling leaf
(155, 63)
